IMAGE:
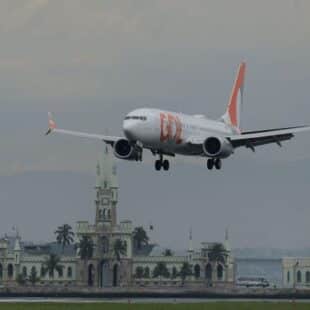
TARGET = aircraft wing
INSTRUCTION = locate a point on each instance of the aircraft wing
(52, 128)
(251, 139)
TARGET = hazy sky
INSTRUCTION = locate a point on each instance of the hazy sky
(90, 62)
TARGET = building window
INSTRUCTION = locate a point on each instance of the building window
(197, 271)
(308, 276)
(298, 276)
(10, 271)
(69, 272)
(288, 277)
(60, 272)
(1, 272)
(208, 272)
(42, 272)
(220, 272)
(33, 270)
(25, 271)
(51, 274)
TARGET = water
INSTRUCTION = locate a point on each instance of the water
(270, 269)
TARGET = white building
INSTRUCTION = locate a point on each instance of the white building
(296, 272)
(135, 267)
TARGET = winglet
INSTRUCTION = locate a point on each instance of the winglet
(51, 124)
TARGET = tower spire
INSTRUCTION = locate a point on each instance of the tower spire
(190, 246)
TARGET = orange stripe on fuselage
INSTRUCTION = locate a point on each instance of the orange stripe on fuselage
(233, 102)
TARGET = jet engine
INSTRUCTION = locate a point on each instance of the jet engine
(124, 150)
(217, 147)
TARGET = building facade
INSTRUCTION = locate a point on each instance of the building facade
(134, 267)
(296, 272)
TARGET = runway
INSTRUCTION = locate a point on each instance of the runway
(143, 300)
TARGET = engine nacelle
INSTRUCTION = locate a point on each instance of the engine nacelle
(124, 150)
(217, 147)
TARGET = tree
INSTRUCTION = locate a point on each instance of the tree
(33, 278)
(51, 264)
(119, 249)
(86, 251)
(174, 272)
(185, 271)
(161, 270)
(168, 252)
(140, 237)
(217, 253)
(146, 273)
(86, 248)
(64, 235)
(139, 272)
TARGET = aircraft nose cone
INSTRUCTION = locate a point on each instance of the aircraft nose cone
(129, 129)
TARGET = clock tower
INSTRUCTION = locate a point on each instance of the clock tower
(106, 192)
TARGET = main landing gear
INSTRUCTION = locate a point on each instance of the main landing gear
(214, 162)
(161, 163)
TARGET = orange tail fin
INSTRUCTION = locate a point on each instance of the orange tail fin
(232, 115)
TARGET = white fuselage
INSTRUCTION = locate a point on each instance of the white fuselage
(171, 132)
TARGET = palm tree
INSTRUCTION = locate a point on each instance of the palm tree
(33, 278)
(86, 251)
(217, 253)
(64, 235)
(119, 249)
(140, 237)
(186, 270)
(51, 264)
(86, 248)
(139, 272)
(161, 270)
(168, 252)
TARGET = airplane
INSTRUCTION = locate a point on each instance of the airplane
(167, 133)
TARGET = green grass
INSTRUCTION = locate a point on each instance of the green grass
(206, 306)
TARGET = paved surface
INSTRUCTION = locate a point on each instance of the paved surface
(140, 300)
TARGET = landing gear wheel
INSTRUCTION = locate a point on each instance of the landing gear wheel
(218, 163)
(166, 165)
(158, 165)
(210, 163)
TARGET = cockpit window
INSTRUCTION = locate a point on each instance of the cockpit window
(141, 118)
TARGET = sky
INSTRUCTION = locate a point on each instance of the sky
(91, 62)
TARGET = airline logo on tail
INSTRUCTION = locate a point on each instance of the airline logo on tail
(232, 115)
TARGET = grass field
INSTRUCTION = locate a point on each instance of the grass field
(207, 306)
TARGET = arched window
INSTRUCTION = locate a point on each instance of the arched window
(174, 272)
(1, 272)
(51, 274)
(25, 271)
(60, 272)
(197, 271)
(288, 277)
(209, 272)
(10, 271)
(42, 272)
(308, 276)
(298, 276)
(33, 270)
(109, 214)
(69, 272)
(220, 272)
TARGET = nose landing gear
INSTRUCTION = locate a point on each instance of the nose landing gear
(214, 162)
(161, 163)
